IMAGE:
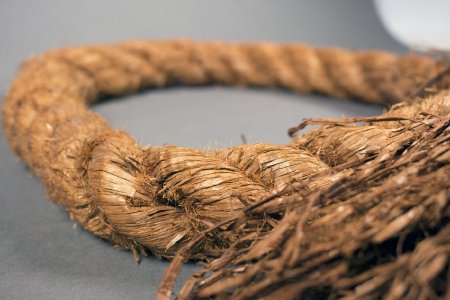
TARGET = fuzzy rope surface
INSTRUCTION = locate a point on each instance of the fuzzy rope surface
(162, 198)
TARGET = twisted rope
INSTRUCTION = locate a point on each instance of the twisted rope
(159, 198)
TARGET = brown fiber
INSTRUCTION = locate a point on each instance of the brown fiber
(356, 208)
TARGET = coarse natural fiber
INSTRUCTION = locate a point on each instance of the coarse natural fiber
(357, 208)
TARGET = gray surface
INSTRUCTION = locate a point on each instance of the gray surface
(41, 255)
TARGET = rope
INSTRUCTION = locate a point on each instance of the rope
(160, 198)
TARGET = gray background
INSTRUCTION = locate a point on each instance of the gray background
(41, 255)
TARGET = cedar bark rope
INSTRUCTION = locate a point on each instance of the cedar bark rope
(161, 198)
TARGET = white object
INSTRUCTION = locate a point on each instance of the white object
(418, 24)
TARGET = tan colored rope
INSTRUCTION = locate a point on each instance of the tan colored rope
(161, 197)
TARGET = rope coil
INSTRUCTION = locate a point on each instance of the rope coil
(162, 198)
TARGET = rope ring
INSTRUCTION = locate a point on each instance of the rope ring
(161, 198)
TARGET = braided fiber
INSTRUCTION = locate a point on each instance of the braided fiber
(162, 198)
